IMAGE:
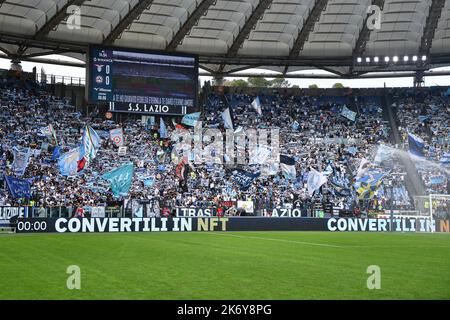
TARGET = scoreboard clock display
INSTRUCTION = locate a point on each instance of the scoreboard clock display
(143, 82)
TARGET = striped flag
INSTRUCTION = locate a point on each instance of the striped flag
(89, 147)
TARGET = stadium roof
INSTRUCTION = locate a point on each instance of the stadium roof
(234, 35)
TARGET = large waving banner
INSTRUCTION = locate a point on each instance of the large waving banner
(315, 180)
(367, 185)
(120, 179)
(416, 145)
(287, 165)
(89, 147)
(68, 163)
(19, 188)
(21, 160)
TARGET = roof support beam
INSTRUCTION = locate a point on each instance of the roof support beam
(206, 69)
(364, 35)
(5, 51)
(124, 23)
(386, 74)
(52, 23)
(49, 61)
(44, 53)
(308, 27)
(190, 22)
(431, 25)
(56, 19)
(246, 29)
(248, 26)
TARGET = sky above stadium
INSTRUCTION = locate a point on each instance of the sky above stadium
(76, 72)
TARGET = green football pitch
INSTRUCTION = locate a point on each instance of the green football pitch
(231, 265)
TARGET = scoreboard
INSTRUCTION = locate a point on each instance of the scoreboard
(142, 82)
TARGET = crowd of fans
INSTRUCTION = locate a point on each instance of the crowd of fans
(312, 131)
(427, 115)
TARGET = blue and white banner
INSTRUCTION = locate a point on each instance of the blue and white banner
(19, 188)
(349, 114)
(116, 136)
(120, 179)
(256, 104)
(244, 178)
(416, 145)
(287, 166)
(191, 119)
(21, 160)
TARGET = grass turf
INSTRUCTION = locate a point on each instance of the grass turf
(232, 265)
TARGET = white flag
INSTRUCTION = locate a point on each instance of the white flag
(226, 116)
(256, 104)
(315, 181)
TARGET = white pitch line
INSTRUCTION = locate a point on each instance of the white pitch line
(279, 240)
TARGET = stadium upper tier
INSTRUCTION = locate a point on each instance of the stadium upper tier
(228, 35)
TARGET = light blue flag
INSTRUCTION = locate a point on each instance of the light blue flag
(437, 180)
(295, 125)
(120, 179)
(162, 129)
(68, 163)
(352, 150)
(349, 114)
(149, 182)
(21, 160)
(191, 119)
(423, 118)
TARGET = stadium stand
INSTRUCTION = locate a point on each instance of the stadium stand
(312, 130)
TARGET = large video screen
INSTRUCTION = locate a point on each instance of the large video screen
(144, 82)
